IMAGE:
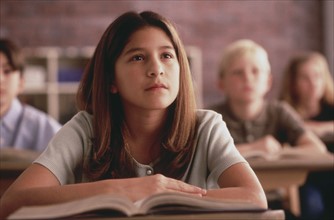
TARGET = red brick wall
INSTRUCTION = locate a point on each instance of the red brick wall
(282, 27)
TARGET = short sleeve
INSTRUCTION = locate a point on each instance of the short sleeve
(214, 152)
(65, 154)
(291, 123)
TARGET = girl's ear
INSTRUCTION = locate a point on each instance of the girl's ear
(113, 89)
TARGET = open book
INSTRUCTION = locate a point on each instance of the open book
(285, 153)
(164, 203)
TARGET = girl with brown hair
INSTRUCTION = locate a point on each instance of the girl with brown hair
(138, 132)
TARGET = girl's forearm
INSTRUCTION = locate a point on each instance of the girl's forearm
(245, 194)
(14, 199)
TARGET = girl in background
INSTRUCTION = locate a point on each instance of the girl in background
(308, 88)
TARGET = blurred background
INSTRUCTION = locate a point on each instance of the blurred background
(59, 36)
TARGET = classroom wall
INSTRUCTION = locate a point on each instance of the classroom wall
(282, 27)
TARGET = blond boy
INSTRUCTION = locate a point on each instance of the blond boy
(255, 123)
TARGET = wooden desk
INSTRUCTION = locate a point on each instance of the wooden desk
(266, 215)
(9, 171)
(290, 173)
(12, 163)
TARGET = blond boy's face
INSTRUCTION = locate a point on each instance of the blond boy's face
(247, 78)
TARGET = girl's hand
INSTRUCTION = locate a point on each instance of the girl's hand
(142, 187)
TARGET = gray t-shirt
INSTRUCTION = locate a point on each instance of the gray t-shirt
(214, 151)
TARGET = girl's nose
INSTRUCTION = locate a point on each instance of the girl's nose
(155, 68)
(154, 73)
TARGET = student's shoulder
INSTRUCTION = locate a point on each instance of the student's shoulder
(207, 116)
(83, 115)
(82, 118)
(210, 123)
(35, 115)
(33, 112)
(81, 122)
(279, 106)
(282, 109)
(218, 107)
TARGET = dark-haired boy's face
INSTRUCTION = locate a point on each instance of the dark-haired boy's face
(11, 84)
(147, 72)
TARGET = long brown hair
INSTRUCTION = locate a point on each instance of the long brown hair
(288, 91)
(109, 158)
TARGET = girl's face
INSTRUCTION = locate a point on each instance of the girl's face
(147, 71)
(247, 78)
(11, 84)
(309, 82)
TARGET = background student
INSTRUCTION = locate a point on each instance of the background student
(138, 132)
(22, 126)
(255, 123)
(308, 88)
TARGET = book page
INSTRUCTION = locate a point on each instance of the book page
(286, 153)
(183, 203)
(164, 203)
(104, 202)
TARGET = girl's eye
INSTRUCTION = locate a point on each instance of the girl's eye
(8, 71)
(167, 55)
(137, 58)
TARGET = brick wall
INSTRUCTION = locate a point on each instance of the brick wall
(282, 27)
